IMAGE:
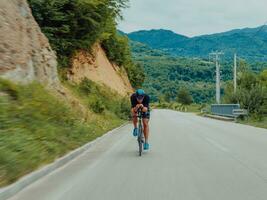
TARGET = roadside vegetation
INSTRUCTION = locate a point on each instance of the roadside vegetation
(100, 99)
(255, 122)
(193, 108)
(183, 102)
(36, 127)
(251, 94)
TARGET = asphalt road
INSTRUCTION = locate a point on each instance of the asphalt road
(191, 158)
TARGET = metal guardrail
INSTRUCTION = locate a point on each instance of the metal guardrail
(225, 110)
(238, 112)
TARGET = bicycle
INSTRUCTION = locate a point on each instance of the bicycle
(140, 136)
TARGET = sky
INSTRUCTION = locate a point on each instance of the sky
(193, 17)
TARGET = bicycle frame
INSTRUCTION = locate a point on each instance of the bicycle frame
(140, 132)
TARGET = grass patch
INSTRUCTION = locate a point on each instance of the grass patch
(36, 128)
(101, 99)
(262, 123)
(193, 108)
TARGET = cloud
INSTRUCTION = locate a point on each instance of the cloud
(194, 17)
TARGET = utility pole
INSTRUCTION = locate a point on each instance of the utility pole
(235, 65)
(218, 79)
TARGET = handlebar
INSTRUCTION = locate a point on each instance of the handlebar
(139, 112)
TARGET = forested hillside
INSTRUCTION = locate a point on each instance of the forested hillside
(235, 41)
(166, 73)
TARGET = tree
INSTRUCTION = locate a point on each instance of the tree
(168, 96)
(250, 94)
(72, 25)
(136, 74)
(229, 95)
(184, 97)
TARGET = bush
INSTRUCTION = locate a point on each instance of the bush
(100, 98)
(136, 74)
(9, 88)
(86, 86)
(117, 49)
(97, 106)
(124, 109)
(184, 97)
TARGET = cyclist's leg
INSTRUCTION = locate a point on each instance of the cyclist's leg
(146, 125)
(146, 129)
(134, 117)
(135, 120)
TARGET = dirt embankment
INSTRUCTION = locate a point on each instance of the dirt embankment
(98, 68)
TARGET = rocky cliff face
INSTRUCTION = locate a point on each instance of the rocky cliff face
(25, 53)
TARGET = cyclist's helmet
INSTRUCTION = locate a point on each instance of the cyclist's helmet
(140, 94)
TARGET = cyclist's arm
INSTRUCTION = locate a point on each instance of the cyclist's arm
(138, 106)
(143, 108)
(134, 110)
(134, 104)
(146, 104)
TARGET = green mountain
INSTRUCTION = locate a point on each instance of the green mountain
(158, 38)
(248, 43)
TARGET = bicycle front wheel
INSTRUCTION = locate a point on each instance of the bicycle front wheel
(140, 147)
(140, 140)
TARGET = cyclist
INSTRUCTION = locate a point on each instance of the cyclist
(141, 100)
